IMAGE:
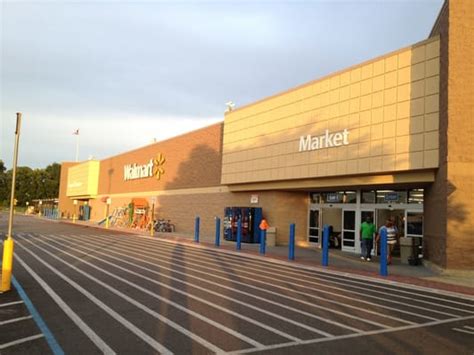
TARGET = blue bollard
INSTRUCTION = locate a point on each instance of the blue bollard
(239, 235)
(196, 230)
(263, 241)
(218, 231)
(291, 245)
(383, 252)
(325, 254)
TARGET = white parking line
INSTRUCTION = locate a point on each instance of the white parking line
(271, 277)
(21, 341)
(291, 290)
(10, 304)
(122, 320)
(463, 331)
(344, 314)
(199, 279)
(148, 292)
(348, 336)
(14, 320)
(323, 273)
(364, 288)
(318, 331)
(102, 345)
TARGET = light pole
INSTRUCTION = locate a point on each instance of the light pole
(8, 244)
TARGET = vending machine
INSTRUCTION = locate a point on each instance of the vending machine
(250, 218)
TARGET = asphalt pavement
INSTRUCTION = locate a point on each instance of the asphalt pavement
(99, 291)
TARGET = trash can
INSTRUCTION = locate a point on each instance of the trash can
(417, 253)
(406, 250)
(271, 236)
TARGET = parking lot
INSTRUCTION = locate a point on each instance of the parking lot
(100, 291)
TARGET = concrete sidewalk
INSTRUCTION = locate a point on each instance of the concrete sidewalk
(426, 275)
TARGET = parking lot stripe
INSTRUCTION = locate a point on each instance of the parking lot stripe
(378, 314)
(14, 320)
(10, 304)
(298, 324)
(199, 279)
(50, 339)
(165, 320)
(348, 336)
(272, 278)
(312, 271)
(363, 288)
(103, 346)
(163, 299)
(66, 309)
(463, 331)
(21, 341)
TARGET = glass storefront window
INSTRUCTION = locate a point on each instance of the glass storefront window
(315, 198)
(368, 196)
(414, 224)
(416, 196)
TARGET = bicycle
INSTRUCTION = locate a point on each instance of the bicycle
(164, 226)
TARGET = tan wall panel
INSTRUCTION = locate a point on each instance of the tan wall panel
(388, 99)
(65, 204)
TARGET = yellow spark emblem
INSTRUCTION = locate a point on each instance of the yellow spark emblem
(158, 169)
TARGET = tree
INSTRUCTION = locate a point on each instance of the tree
(31, 184)
(3, 183)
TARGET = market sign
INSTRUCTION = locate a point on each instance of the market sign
(153, 168)
(327, 140)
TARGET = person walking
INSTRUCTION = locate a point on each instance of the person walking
(367, 232)
(392, 234)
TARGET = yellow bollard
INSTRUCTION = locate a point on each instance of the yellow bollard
(74, 218)
(107, 222)
(7, 264)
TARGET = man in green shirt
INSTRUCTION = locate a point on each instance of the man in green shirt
(367, 232)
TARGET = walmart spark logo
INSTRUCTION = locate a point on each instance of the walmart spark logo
(153, 168)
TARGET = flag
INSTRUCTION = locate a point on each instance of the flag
(76, 132)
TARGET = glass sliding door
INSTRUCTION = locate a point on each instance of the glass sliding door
(348, 230)
(364, 215)
(314, 225)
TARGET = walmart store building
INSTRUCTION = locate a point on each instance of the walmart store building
(391, 137)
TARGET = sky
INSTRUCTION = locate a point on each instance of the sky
(126, 73)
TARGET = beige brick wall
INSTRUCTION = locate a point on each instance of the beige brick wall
(449, 203)
(390, 106)
(435, 207)
(279, 208)
(460, 172)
